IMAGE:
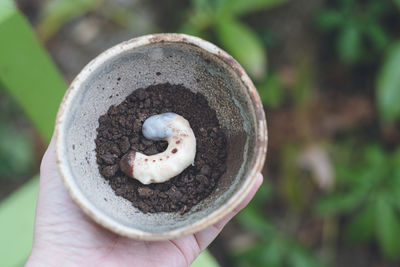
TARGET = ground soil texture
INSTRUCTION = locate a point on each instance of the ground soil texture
(120, 130)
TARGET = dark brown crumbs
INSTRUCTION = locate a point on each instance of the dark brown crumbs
(120, 130)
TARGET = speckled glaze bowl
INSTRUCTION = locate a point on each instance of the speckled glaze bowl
(140, 62)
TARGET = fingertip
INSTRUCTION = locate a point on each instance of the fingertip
(260, 179)
(257, 184)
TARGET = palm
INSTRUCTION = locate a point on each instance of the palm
(62, 229)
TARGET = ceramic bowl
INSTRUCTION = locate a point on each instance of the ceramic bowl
(137, 63)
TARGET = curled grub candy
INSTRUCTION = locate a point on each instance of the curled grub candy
(161, 167)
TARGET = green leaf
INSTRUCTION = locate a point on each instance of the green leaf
(395, 165)
(378, 164)
(263, 254)
(242, 7)
(196, 25)
(16, 152)
(7, 8)
(264, 193)
(387, 229)
(397, 3)
(28, 74)
(349, 44)
(201, 5)
(361, 226)
(329, 19)
(342, 202)
(376, 10)
(271, 92)
(299, 257)
(378, 36)
(17, 216)
(273, 255)
(252, 219)
(375, 156)
(204, 259)
(388, 85)
(244, 44)
(395, 162)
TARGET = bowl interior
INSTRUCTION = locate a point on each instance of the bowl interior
(178, 63)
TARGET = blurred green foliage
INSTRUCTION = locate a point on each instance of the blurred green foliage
(222, 18)
(274, 247)
(219, 18)
(388, 85)
(244, 44)
(362, 37)
(16, 147)
(365, 200)
(27, 72)
(37, 90)
(28, 75)
(16, 153)
(271, 91)
(368, 193)
(359, 30)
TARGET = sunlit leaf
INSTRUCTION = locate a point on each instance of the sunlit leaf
(388, 85)
(6, 9)
(244, 44)
(387, 229)
(17, 217)
(28, 74)
(205, 259)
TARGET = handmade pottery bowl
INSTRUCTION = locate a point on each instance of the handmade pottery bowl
(181, 59)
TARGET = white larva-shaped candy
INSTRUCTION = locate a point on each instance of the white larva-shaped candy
(161, 167)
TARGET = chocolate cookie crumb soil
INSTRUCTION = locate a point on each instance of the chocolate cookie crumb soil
(120, 130)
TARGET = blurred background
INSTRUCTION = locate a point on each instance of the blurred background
(328, 73)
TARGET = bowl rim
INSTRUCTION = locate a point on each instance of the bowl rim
(250, 176)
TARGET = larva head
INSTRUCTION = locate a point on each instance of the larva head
(157, 127)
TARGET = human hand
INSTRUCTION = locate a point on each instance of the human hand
(65, 236)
